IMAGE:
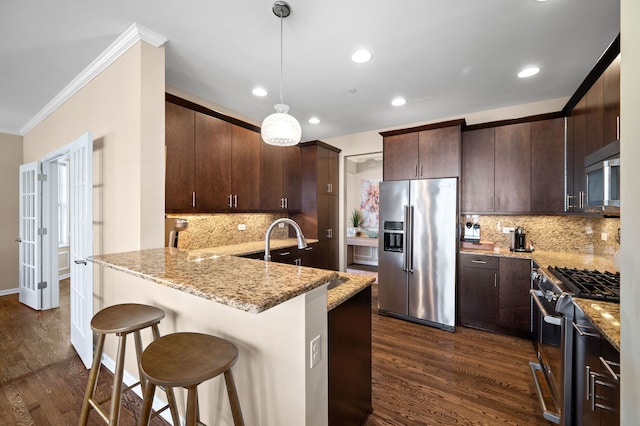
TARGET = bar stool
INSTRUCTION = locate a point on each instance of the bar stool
(121, 320)
(186, 360)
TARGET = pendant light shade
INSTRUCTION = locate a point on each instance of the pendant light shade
(280, 128)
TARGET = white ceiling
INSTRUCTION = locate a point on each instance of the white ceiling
(446, 57)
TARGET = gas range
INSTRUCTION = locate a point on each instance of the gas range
(589, 284)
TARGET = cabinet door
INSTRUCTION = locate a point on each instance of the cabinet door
(439, 153)
(595, 116)
(245, 160)
(478, 183)
(612, 102)
(400, 158)
(271, 177)
(577, 150)
(513, 168)
(547, 166)
(213, 163)
(478, 291)
(180, 157)
(292, 189)
(515, 300)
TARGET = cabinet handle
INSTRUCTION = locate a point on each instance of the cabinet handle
(582, 199)
(308, 248)
(607, 365)
(495, 280)
(592, 385)
(478, 261)
(230, 200)
(286, 202)
(235, 201)
(416, 174)
(421, 170)
(193, 199)
(588, 383)
(286, 253)
(581, 332)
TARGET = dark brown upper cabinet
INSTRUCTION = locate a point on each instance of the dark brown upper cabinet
(180, 159)
(478, 170)
(513, 168)
(279, 178)
(425, 152)
(547, 166)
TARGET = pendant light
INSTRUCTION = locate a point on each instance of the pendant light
(280, 128)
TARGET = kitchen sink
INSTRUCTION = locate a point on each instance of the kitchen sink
(336, 282)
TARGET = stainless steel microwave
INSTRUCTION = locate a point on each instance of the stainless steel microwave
(603, 180)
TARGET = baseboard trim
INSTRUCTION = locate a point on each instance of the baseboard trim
(9, 291)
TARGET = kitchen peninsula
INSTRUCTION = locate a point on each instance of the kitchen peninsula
(270, 311)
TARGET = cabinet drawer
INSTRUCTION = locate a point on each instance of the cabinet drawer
(479, 261)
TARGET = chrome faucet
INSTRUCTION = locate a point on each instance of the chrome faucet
(302, 243)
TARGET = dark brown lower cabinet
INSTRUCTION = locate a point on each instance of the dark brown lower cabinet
(493, 294)
(349, 330)
(596, 376)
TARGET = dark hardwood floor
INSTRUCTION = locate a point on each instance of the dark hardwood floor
(42, 380)
(421, 375)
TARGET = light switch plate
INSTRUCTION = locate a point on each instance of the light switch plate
(242, 227)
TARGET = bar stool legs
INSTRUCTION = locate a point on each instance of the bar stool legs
(121, 320)
(207, 356)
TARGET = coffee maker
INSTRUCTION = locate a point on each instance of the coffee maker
(472, 230)
(520, 241)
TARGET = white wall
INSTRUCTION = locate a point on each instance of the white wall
(630, 208)
(10, 160)
(124, 109)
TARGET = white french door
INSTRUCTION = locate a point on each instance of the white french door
(30, 291)
(81, 224)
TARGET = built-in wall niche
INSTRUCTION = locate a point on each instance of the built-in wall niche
(363, 174)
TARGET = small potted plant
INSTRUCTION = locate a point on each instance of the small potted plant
(356, 221)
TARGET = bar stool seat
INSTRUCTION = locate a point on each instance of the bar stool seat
(121, 320)
(186, 360)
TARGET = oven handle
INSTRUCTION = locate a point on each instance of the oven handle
(536, 295)
(546, 413)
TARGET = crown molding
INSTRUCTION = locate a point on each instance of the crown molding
(124, 42)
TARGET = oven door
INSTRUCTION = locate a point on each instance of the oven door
(549, 329)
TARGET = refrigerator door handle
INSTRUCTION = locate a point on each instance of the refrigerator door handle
(405, 243)
(409, 239)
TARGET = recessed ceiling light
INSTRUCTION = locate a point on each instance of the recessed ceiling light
(528, 72)
(314, 120)
(259, 91)
(361, 56)
(398, 101)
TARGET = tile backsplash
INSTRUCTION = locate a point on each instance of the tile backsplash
(555, 233)
(213, 230)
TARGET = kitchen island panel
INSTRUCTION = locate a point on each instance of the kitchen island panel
(275, 383)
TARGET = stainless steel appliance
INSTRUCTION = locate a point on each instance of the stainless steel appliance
(520, 240)
(471, 232)
(417, 260)
(172, 228)
(603, 180)
(558, 348)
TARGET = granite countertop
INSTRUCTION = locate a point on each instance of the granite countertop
(212, 274)
(246, 284)
(605, 316)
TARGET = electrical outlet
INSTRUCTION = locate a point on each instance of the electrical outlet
(315, 351)
(603, 236)
(281, 225)
(508, 229)
(242, 227)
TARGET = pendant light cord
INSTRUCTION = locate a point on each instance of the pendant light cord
(281, 56)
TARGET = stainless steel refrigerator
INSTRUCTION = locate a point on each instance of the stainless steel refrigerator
(418, 251)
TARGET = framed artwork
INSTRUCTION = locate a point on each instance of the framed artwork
(370, 201)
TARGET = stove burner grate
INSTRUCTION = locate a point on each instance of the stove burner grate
(590, 284)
